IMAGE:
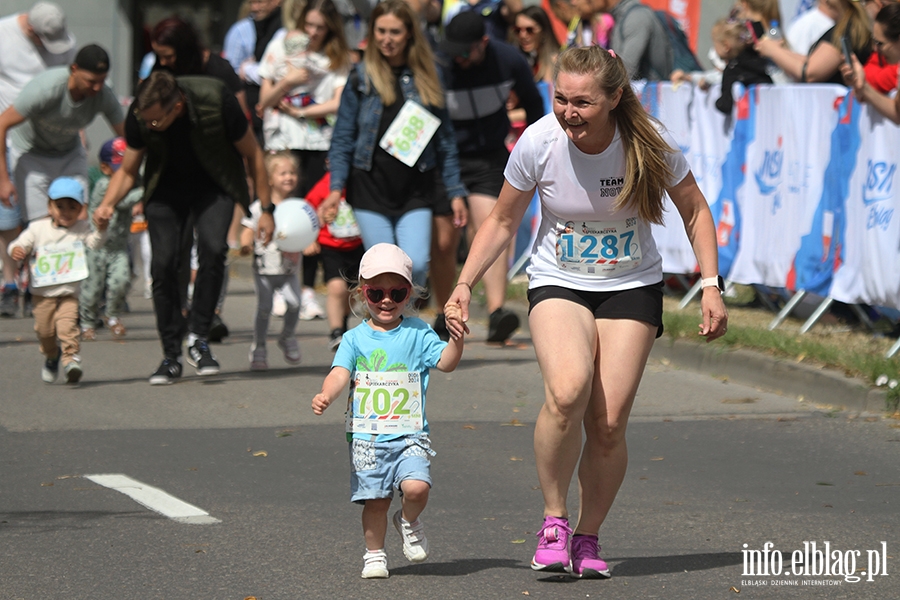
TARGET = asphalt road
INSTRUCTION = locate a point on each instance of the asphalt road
(714, 465)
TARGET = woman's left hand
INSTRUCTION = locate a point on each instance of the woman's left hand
(766, 46)
(456, 310)
(715, 316)
(289, 109)
(460, 212)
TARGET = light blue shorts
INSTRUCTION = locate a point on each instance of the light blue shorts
(10, 218)
(377, 468)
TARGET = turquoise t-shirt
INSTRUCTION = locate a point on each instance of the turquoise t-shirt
(53, 119)
(412, 346)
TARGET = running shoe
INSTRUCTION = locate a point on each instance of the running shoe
(9, 301)
(291, 350)
(218, 330)
(310, 309)
(258, 358)
(334, 339)
(50, 370)
(201, 358)
(586, 561)
(169, 372)
(415, 545)
(375, 565)
(73, 370)
(501, 325)
(553, 547)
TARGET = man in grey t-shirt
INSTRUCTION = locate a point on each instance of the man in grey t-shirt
(48, 116)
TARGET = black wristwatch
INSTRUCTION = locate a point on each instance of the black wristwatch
(717, 282)
(269, 209)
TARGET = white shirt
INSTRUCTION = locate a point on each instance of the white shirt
(807, 29)
(578, 189)
(21, 60)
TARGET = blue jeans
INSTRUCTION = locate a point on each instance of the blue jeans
(411, 231)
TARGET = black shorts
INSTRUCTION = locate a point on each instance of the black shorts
(483, 173)
(637, 304)
(341, 263)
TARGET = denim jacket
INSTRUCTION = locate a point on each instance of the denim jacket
(354, 138)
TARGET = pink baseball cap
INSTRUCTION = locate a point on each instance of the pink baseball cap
(385, 258)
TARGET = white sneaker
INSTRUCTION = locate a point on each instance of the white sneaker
(309, 307)
(375, 565)
(415, 546)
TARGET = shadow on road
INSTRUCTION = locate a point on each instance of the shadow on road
(455, 568)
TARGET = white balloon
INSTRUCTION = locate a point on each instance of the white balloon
(296, 225)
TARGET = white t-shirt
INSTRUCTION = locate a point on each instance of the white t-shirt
(21, 60)
(807, 29)
(283, 132)
(267, 258)
(577, 192)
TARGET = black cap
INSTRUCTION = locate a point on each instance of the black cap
(461, 32)
(92, 58)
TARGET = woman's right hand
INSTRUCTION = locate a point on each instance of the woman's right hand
(456, 318)
(328, 209)
(854, 77)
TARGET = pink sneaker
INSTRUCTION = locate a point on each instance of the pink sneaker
(553, 547)
(586, 561)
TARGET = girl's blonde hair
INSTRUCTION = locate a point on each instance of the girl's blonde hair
(768, 9)
(360, 308)
(647, 174)
(419, 57)
(854, 22)
(271, 158)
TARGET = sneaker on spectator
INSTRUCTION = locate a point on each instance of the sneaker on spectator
(553, 547)
(9, 301)
(415, 546)
(291, 350)
(375, 565)
(258, 358)
(50, 370)
(440, 327)
(334, 339)
(501, 325)
(586, 561)
(309, 307)
(88, 334)
(169, 372)
(201, 358)
(73, 370)
(218, 330)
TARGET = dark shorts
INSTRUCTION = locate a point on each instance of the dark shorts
(341, 263)
(637, 304)
(483, 173)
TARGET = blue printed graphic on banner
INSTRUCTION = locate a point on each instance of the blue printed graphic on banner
(725, 210)
(650, 99)
(820, 250)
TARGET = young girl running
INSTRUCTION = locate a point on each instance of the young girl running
(386, 360)
(273, 269)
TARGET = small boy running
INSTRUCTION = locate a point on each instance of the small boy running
(386, 359)
(109, 268)
(56, 244)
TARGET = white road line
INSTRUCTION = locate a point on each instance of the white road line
(155, 499)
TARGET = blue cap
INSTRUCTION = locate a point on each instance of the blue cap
(66, 187)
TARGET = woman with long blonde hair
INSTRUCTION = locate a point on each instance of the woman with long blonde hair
(600, 165)
(390, 173)
(823, 63)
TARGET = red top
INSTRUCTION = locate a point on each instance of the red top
(315, 196)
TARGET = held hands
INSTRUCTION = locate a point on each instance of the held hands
(102, 215)
(328, 209)
(320, 402)
(266, 227)
(456, 311)
(715, 317)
